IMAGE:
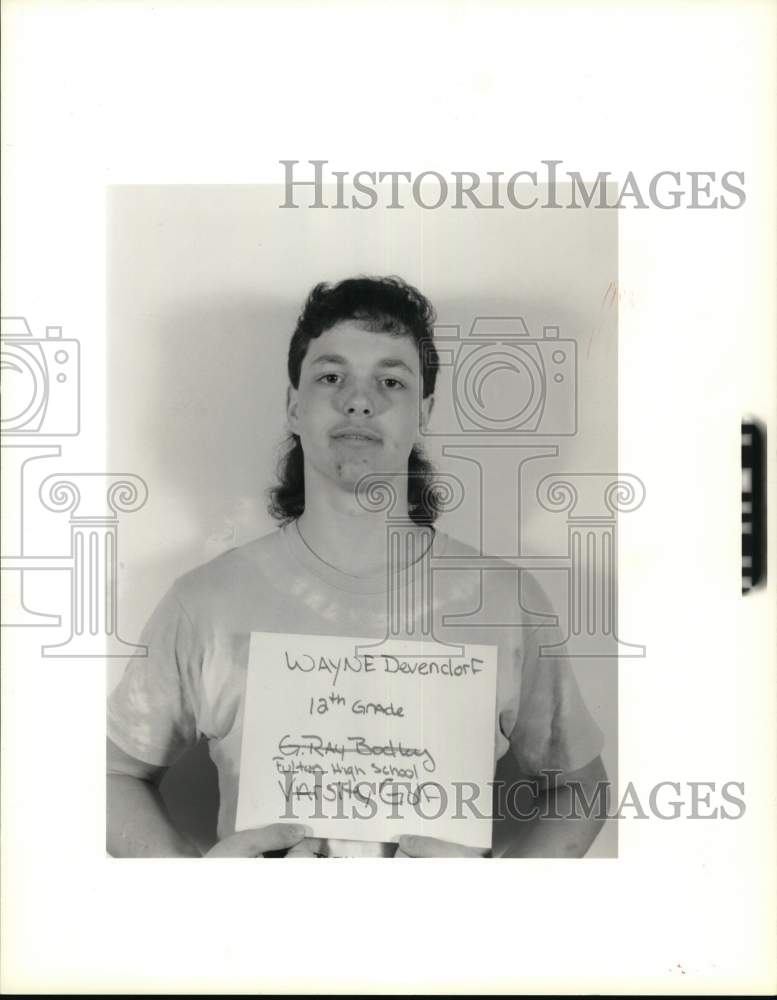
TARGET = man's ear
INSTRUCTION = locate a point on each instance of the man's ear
(427, 405)
(292, 409)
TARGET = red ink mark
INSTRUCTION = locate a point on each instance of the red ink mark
(611, 294)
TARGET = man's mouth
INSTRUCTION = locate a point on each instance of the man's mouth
(357, 434)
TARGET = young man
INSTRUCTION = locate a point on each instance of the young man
(361, 359)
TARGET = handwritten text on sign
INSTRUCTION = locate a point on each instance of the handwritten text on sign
(368, 746)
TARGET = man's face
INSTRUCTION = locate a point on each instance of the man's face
(356, 410)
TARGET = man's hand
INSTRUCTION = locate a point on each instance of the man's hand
(310, 847)
(431, 847)
(255, 843)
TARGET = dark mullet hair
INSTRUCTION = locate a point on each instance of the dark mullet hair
(381, 305)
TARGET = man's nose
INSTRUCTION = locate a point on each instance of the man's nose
(359, 403)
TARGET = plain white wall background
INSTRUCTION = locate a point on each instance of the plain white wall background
(204, 287)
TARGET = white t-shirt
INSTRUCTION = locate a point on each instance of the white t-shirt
(192, 682)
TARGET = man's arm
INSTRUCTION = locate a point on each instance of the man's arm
(563, 824)
(555, 823)
(139, 825)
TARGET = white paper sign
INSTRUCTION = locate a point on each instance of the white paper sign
(369, 746)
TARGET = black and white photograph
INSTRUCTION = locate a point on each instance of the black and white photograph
(449, 462)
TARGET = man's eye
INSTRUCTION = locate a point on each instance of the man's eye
(331, 378)
(393, 383)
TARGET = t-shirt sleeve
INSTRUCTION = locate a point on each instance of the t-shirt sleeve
(152, 712)
(554, 728)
